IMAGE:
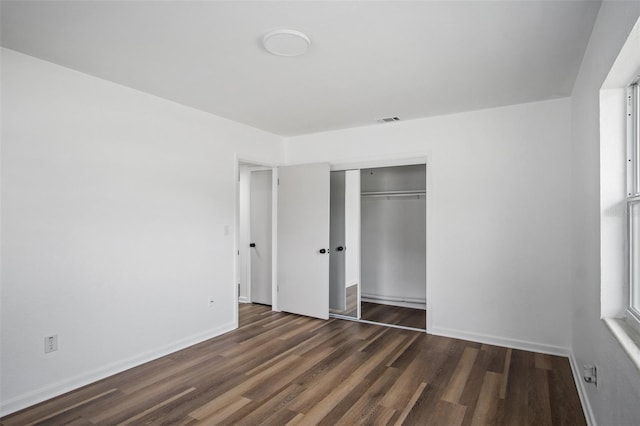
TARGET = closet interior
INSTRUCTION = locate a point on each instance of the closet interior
(378, 245)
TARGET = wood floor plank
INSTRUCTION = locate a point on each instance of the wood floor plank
(539, 403)
(407, 408)
(447, 413)
(505, 374)
(517, 392)
(318, 386)
(158, 406)
(543, 361)
(459, 379)
(233, 394)
(293, 371)
(364, 407)
(471, 391)
(323, 407)
(271, 411)
(279, 368)
(562, 386)
(383, 416)
(487, 405)
(405, 387)
(218, 415)
(131, 405)
(402, 350)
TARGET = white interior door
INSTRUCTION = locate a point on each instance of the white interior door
(303, 240)
(260, 245)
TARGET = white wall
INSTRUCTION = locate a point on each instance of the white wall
(114, 208)
(498, 215)
(393, 249)
(615, 400)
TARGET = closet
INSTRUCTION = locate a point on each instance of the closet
(378, 245)
(393, 245)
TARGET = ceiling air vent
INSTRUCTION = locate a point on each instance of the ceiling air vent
(388, 120)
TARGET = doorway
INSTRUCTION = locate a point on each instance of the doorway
(255, 234)
(390, 247)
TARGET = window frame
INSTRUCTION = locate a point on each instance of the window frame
(633, 195)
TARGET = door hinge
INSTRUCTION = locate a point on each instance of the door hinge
(278, 181)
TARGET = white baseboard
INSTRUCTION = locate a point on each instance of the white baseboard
(412, 305)
(501, 341)
(243, 299)
(405, 302)
(582, 390)
(64, 386)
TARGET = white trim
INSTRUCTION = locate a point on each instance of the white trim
(378, 162)
(412, 305)
(582, 391)
(628, 337)
(502, 341)
(632, 319)
(632, 159)
(243, 299)
(30, 398)
(429, 260)
(387, 298)
(275, 181)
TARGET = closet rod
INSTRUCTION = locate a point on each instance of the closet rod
(392, 193)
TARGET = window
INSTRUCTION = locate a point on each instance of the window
(633, 199)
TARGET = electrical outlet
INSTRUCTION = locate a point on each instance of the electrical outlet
(590, 374)
(50, 343)
(211, 301)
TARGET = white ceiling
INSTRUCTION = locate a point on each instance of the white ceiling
(367, 60)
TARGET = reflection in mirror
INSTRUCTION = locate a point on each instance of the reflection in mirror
(344, 238)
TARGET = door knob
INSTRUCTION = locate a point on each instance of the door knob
(340, 248)
(252, 244)
(323, 251)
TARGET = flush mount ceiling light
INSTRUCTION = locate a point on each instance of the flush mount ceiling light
(286, 42)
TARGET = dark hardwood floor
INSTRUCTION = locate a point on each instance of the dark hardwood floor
(397, 315)
(279, 369)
